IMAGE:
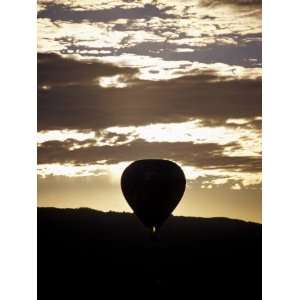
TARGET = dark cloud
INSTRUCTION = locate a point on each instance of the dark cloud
(207, 17)
(57, 152)
(80, 106)
(233, 2)
(177, 100)
(209, 155)
(245, 50)
(61, 12)
(112, 137)
(205, 181)
(255, 124)
(56, 145)
(247, 54)
(53, 69)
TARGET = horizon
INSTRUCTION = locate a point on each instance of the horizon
(133, 214)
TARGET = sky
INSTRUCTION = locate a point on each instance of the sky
(120, 81)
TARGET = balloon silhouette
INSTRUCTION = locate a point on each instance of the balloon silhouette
(153, 188)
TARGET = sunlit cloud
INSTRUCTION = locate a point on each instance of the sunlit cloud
(193, 131)
(155, 68)
(248, 138)
(184, 50)
(71, 170)
(116, 81)
(55, 36)
(237, 133)
(205, 177)
(93, 4)
(188, 24)
(47, 37)
(83, 139)
(112, 171)
(62, 135)
(116, 170)
(221, 177)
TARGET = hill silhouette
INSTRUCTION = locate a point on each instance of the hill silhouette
(86, 254)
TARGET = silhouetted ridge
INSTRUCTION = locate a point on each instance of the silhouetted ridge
(85, 253)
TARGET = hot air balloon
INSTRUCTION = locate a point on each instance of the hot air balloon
(153, 188)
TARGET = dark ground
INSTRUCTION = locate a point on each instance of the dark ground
(87, 254)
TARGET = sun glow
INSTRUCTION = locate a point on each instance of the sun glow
(116, 170)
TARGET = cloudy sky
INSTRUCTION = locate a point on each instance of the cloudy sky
(125, 80)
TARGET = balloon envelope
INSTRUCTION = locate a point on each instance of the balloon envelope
(153, 188)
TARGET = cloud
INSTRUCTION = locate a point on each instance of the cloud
(53, 69)
(70, 97)
(58, 152)
(61, 12)
(233, 2)
(215, 34)
(209, 155)
(229, 49)
(200, 96)
(255, 123)
(241, 136)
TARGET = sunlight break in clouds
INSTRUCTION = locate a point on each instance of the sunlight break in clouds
(193, 131)
(62, 135)
(209, 178)
(71, 170)
(113, 171)
(116, 81)
(156, 68)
